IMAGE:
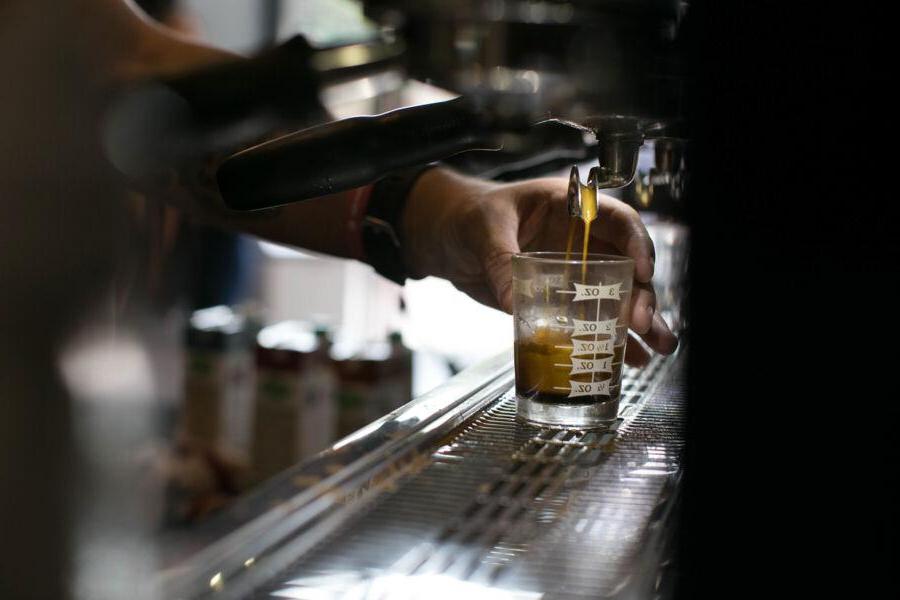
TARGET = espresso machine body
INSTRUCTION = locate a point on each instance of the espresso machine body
(542, 85)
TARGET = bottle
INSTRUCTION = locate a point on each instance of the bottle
(295, 392)
(217, 352)
(398, 380)
(360, 376)
(322, 383)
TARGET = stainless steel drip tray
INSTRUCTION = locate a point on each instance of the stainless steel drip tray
(452, 496)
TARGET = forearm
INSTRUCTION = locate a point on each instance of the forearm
(328, 225)
(333, 224)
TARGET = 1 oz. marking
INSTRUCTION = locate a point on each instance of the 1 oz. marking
(591, 365)
(588, 365)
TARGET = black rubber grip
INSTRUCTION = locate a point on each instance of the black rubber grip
(349, 153)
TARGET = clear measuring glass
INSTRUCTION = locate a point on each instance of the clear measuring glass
(571, 324)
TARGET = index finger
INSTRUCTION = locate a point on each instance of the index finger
(620, 224)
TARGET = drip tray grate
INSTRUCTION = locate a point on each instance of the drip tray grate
(508, 509)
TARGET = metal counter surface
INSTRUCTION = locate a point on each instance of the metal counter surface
(452, 496)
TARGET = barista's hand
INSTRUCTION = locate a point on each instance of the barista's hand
(466, 230)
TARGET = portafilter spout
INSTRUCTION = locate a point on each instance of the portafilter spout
(582, 199)
(619, 139)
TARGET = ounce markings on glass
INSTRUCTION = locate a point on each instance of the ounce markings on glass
(593, 388)
(595, 292)
(591, 365)
(592, 327)
(580, 347)
(597, 327)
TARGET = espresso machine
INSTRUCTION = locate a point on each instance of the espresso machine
(541, 85)
(538, 85)
(451, 495)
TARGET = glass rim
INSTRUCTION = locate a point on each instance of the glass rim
(560, 258)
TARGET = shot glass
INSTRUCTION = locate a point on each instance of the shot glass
(571, 325)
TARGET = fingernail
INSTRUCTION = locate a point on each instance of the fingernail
(661, 323)
(665, 327)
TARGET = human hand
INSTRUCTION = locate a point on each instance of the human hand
(466, 230)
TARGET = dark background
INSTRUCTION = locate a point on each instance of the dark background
(792, 455)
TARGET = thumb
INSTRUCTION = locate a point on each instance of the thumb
(497, 251)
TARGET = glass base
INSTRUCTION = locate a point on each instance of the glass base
(566, 415)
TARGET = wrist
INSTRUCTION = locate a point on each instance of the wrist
(383, 231)
(437, 205)
(359, 203)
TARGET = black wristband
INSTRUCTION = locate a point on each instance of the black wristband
(382, 234)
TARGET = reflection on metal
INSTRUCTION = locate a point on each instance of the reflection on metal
(362, 89)
(332, 61)
(216, 582)
(433, 587)
(451, 494)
